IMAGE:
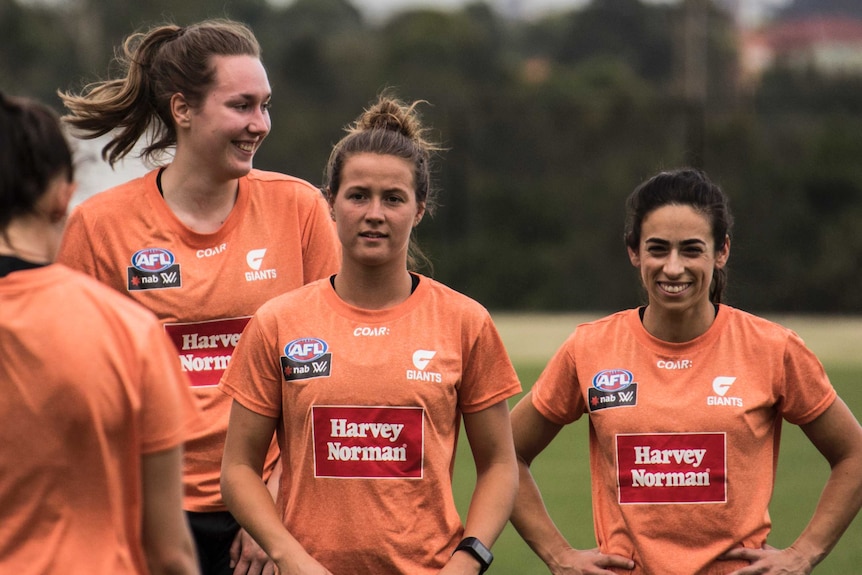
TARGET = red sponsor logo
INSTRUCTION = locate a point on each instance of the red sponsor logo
(205, 348)
(368, 442)
(672, 468)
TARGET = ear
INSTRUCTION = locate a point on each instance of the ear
(55, 202)
(722, 255)
(420, 211)
(330, 201)
(634, 257)
(181, 112)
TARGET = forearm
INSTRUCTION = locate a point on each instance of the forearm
(531, 519)
(491, 503)
(251, 503)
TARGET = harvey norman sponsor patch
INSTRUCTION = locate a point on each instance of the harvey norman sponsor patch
(368, 442)
(672, 468)
(206, 347)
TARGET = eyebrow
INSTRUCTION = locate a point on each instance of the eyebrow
(690, 242)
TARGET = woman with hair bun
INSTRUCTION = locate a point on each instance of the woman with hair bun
(367, 376)
(203, 239)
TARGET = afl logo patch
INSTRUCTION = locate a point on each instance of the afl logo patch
(306, 358)
(305, 349)
(152, 260)
(612, 380)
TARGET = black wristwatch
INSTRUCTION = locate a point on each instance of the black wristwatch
(475, 548)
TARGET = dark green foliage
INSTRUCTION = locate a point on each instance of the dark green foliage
(547, 125)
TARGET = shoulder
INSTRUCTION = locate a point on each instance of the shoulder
(449, 298)
(748, 325)
(302, 298)
(87, 290)
(276, 182)
(120, 197)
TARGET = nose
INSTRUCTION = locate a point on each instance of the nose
(260, 122)
(375, 210)
(673, 266)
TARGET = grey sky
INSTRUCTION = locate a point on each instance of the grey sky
(749, 10)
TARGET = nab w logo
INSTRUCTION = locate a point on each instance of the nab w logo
(254, 258)
(421, 357)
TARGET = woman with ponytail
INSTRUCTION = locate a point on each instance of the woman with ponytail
(203, 239)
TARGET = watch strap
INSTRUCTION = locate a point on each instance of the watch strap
(478, 550)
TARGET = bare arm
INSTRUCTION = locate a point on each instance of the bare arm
(167, 540)
(248, 498)
(490, 437)
(838, 436)
(533, 433)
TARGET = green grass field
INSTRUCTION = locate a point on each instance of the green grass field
(562, 470)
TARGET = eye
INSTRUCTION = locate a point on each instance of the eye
(266, 106)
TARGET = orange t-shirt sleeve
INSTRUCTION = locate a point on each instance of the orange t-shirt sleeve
(557, 393)
(252, 377)
(168, 412)
(807, 391)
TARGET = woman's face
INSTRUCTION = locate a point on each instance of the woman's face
(375, 209)
(677, 257)
(233, 119)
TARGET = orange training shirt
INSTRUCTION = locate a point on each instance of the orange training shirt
(683, 436)
(371, 404)
(204, 287)
(89, 385)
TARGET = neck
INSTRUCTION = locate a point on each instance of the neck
(678, 326)
(32, 239)
(373, 289)
(199, 202)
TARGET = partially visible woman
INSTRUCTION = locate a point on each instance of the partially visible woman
(367, 376)
(685, 399)
(204, 239)
(93, 405)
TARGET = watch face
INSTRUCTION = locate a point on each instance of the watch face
(478, 550)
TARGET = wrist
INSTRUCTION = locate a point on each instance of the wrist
(477, 550)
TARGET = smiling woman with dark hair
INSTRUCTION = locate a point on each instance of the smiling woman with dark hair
(685, 398)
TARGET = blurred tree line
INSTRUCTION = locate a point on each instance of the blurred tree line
(548, 125)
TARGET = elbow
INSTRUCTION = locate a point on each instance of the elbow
(178, 560)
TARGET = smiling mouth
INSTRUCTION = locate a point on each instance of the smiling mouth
(246, 146)
(673, 288)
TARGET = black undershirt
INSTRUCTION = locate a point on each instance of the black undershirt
(9, 264)
(642, 311)
(414, 279)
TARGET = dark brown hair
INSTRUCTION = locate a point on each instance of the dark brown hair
(392, 128)
(682, 187)
(155, 65)
(33, 151)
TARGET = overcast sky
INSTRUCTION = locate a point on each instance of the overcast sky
(749, 10)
